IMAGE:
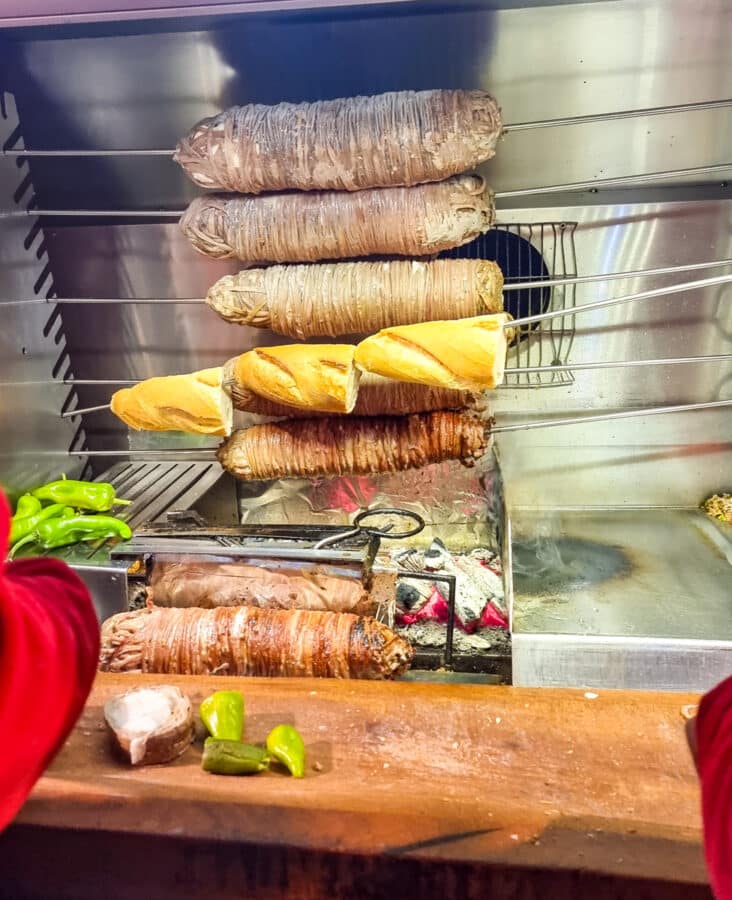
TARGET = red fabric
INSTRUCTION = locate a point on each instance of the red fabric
(714, 762)
(49, 647)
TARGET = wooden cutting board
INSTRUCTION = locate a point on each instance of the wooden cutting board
(600, 781)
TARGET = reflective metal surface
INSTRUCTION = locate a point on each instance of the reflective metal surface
(622, 599)
(33, 438)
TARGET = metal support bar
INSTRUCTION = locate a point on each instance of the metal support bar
(517, 126)
(627, 298)
(569, 367)
(611, 276)
(609, 417)
(210, 454)
(510, 286)
(593, 185)
(620, 181)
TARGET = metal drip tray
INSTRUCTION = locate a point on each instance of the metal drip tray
(622, 599)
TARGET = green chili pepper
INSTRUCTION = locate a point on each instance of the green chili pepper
(64, 531)
(28, 505)
(223, 714)
(286, 745)
(23, 527)
(94, 495)
(233, 758)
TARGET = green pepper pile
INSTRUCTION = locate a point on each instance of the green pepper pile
(66, 519)
(224, 752)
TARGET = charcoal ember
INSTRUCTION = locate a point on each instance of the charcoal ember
(412, 595)
(489, 558)
(490, 584)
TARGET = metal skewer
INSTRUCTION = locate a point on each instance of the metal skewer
(594, 184)
(569, 367)
(609, 417)
(627, 298)
(510, 286)
(517, 126)
(210, 454)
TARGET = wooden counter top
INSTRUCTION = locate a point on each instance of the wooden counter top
(545, 778)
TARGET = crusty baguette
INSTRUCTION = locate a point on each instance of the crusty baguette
(196, 403)
(399, 221)
(244, 640)
(344, 445)
(377, 396)
(466, 354)
(398, 138)
(317, 377)
(304, 301)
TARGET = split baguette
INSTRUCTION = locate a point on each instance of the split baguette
(303, 301)
(397, 221)
(467, 354)
(196, 403)
(316, 377)
(398, 138)
(377, 396)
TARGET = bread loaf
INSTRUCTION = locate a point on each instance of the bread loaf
(466, 354)
(398, 138)
(377, 396)
(417, 221)
(196, 403)
(304, 301)
(316, 377)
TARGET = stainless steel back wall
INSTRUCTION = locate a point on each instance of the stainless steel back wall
(146, 89)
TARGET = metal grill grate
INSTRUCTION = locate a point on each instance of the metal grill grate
(531, 253)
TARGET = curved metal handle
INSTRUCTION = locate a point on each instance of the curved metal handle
(376, 532)
(390, 511)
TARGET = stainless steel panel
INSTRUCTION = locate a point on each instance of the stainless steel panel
(542, 61)
(34, 441)
(634, 599)
(647, 664)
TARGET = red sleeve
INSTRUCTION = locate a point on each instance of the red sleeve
(714, 762)
(49, 646)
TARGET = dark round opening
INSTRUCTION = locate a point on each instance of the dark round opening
(519, 261)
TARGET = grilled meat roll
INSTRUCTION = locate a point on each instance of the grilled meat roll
(377, 396)
(353, 445)
(208, 585)
(303, 301)
(242, 640)
(395, 221)
(398, 138)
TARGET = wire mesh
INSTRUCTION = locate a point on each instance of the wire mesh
(529, 253)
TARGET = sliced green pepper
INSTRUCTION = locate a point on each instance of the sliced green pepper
(64, 531)
(27, 525)
(286, 745)
(97, 496)
(233, 758)
(28, 505)
(223, 714)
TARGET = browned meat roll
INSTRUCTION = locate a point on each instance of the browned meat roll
(306, 448)
(242, 640)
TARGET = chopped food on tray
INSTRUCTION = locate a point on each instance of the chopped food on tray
(151, 724)
(223, 715)
(233, 758)
(286, 745)
(719, 506)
